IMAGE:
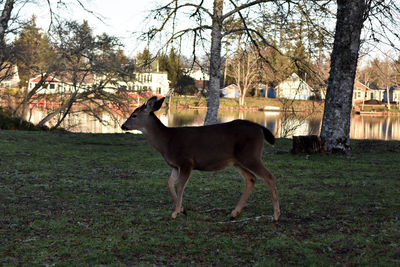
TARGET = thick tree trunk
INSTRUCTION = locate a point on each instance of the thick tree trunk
(5, 18)
(215, 65)
(335, 129)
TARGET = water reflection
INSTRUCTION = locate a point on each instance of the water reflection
(362, 127)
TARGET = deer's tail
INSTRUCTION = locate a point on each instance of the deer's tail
(269, 137)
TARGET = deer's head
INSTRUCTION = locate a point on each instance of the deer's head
(139, 119)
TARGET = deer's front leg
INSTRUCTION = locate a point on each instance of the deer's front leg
(183, 176)
(171, 184)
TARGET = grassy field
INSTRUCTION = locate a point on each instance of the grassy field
(86, 199)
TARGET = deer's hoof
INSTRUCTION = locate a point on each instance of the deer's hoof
(174, 215)
(234, 214)
(276, 215)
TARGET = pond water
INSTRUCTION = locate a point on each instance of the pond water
(282, 125)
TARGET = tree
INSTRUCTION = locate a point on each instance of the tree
(186, 85)
(33, 55)
(144, 60)
(94, 65)
(11, 23)
(351, 16)
(338, 103)
(244, 69)
(386, 75)
(33, 52)
(5, 50)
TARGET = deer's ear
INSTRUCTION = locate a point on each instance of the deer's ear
(158, 104)
(153, 104)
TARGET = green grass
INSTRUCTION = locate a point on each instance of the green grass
(92, 199)
(250, 103)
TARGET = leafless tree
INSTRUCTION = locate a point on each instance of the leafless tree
(244, 69)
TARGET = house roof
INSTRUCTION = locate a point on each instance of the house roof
(395, 87)
(295, 77)
(231, 87)
(48, 79)
(360, 85)
(65, 77)
(363, 87)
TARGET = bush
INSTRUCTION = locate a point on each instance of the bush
(7, 122)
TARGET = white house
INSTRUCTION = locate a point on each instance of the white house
(156, 82)
(58, 85)
(9, 77)
(231, 91)
(198, 75)
(294, 88)
(51, 86)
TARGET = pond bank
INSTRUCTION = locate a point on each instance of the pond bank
(251, 104)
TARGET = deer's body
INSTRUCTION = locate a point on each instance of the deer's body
(207, 148)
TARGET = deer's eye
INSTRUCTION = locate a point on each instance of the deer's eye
(133, 116)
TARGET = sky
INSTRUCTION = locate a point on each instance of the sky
(120, 18)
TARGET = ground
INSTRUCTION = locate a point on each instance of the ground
(73, 199)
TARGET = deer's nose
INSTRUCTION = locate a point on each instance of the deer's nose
(123, 127)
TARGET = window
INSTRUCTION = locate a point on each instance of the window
(52, 86)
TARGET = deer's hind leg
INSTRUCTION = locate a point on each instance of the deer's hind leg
(257, 168)
(249, 180)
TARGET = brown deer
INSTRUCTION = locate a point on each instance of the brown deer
(206, 148)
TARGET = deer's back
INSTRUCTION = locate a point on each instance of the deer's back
(215, 146)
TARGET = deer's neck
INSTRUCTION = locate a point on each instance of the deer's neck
(156, 133)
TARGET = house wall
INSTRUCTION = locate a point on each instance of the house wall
(198, 75)
(394, 96)
(56, 87)
(156, 82)
(294, 88)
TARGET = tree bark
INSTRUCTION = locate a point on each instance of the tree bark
(215, 65)
(335, 129)
(5, 18)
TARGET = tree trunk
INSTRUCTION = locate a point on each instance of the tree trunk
(66, 106)
(335, 129)
(388, 97)
(215, 65)
(20, 110)
(5, 18)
